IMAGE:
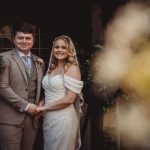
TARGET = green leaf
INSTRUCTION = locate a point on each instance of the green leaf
(2, 64)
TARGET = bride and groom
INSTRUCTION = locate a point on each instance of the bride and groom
(20, 94)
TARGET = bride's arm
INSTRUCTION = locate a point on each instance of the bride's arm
(61, 103)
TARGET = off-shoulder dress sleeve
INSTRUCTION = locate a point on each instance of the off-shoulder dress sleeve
(73, 84)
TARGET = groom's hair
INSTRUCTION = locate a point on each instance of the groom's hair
(23, 27)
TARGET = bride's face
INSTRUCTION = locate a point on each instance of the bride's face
(60, 50)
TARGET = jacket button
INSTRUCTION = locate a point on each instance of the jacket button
(26, 89)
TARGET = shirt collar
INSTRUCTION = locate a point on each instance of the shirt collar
(22, 54)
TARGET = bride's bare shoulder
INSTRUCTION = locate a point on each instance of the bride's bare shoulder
(74, 72)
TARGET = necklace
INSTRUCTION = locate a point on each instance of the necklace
(59, 71)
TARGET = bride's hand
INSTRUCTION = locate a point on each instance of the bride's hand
(42, 110)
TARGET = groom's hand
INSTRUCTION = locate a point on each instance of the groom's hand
(32, 109)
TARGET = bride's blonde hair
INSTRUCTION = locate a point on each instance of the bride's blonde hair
(71, 58)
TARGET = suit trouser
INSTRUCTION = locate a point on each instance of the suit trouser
(17, 137)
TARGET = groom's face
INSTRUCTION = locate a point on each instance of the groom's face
(23, 42)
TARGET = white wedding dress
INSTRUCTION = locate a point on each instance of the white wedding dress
(60, 127)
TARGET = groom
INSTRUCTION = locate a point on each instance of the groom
(20, 86)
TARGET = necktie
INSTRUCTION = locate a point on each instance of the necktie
(27, 65)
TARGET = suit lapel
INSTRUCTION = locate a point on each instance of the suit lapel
(18, 60)
(38, 69)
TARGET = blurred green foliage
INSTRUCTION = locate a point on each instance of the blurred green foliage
(2, 64)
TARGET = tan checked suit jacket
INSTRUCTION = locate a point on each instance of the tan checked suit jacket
(14, 88)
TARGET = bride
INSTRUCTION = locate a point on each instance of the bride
(62, 84)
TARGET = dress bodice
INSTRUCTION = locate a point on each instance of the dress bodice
(55, 87)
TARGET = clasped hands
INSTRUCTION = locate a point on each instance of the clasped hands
(36, 110)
